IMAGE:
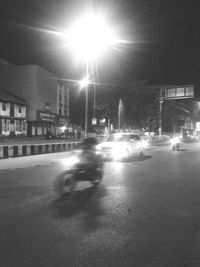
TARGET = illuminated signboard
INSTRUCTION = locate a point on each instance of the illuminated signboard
(62, 120)
(46, 116)
(179, 92)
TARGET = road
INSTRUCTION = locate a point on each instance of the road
(144, 214)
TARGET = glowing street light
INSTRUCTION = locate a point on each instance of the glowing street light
(89, 37)
(84, 82)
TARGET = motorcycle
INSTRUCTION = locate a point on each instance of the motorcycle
(175, 142)
(84, 166)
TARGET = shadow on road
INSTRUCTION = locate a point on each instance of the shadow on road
(85, 202)
(180, 150)
(130, 159)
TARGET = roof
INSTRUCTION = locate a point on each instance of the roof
(11, 98)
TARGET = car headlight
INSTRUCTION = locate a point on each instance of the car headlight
(119, 152)
(99, 147)
(70, 161)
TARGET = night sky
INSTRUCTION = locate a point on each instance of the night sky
(163, 35)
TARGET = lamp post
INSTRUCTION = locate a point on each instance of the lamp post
(89, 37)
(120, 113)
(161, 99)
(84, 84)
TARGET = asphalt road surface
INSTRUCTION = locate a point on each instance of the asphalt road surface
(146, 213)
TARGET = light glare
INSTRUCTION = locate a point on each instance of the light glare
(84, 82)
(90, 37)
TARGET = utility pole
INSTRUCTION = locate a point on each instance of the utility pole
(161, 99)
(120, 113)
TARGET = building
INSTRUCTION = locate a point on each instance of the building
(12, 115)
(62, 99)
(46, 97)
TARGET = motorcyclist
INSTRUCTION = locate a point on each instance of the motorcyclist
(92, 159)
(88, 167)
(175, 142)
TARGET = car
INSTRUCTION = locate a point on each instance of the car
(122, 145)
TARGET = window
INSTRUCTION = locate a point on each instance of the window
(5, 125)
(189, 91)
(19, 109)
(20, 126)
(180, 91)
(4, 106)
(17, 125)
(171, 92)
(24, 126)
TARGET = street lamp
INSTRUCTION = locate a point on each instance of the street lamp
(89, 37)
(84, 83)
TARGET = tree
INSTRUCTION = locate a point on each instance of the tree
(175, 112)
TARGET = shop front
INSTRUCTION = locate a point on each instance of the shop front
(45, 124)
(66, 129)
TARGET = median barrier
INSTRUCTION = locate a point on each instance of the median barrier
(28, 150)
(43, 149)
(47, 148)
(1, 152)
(34, 149)
(5, 152)
(39, 149)
(20, 152)
(24, 150)
(10, 151)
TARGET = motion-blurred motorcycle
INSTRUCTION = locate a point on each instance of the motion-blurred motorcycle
(175, 143)
(83, 165)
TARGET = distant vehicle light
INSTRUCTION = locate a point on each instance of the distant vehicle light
(63, 128)
(175, 140)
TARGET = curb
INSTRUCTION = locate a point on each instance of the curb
(10, 151)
